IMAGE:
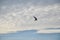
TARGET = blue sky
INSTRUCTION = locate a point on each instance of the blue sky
(17, 21)
(29, 35)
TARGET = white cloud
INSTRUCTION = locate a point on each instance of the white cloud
(20, 19)
(48, 31)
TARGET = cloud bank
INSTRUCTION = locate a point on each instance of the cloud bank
(20, 17)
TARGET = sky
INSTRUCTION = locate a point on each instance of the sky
(17, 21)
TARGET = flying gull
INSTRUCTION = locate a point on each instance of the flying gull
(35, 18)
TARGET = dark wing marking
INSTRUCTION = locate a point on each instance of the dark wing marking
(35, 18)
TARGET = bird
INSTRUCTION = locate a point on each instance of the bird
(35, 18)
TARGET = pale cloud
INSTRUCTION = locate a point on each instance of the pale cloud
(18, 18)
(48, 31)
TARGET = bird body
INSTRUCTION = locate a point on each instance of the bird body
(35, 18)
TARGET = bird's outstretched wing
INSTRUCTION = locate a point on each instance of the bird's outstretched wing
(35, 18)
